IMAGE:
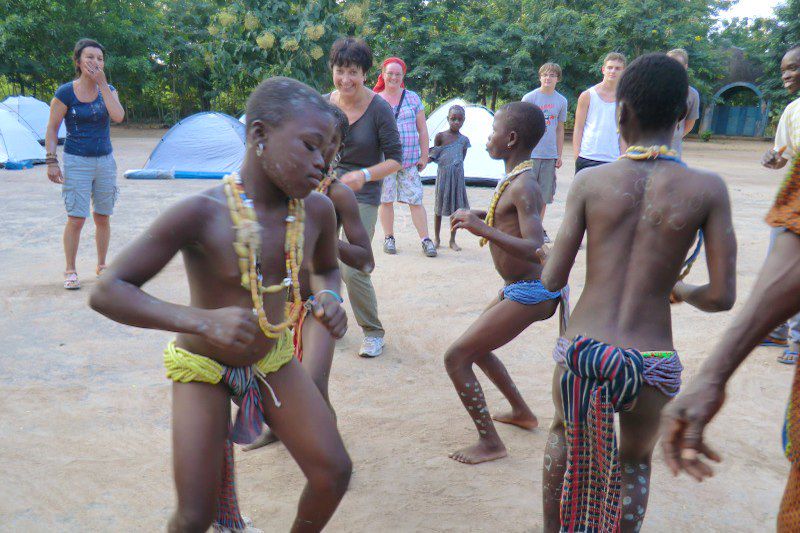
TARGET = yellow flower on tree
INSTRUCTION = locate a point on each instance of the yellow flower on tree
(354, 15)
(265, 41)
(251, 22)
(313, 33)
(226, 19)
(213, 30)
(290, 44)
(316, 52)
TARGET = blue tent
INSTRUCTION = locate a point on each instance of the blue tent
(203, 146)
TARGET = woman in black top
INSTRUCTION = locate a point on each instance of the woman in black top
(371, 151)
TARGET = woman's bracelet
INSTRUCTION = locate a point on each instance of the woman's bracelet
(367, 176)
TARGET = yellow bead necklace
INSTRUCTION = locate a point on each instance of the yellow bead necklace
(519, 169)
(639, 153)
(325, 184)
(248, 250)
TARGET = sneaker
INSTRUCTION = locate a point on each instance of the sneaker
(547, 238)
(389, 245)
(371, 347)
(428, 248)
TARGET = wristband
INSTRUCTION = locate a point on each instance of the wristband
(367, 177)
(332, 293)
(313, 298)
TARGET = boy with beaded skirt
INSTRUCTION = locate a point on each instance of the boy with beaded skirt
(642, 214)
(240, 262)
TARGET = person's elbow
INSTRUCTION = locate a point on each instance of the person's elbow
(118, 117)
(394, 165)
(101, 295)
(368, 265)
(552, 281)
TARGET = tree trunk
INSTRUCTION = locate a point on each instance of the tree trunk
(494, 98)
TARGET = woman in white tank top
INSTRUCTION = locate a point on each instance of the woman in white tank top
(600, 140)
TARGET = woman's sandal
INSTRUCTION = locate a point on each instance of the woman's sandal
(71, 281)
(100, 269)
(788, 357)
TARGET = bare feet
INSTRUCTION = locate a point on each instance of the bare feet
(268, 437)
(454, 246)
(436, 243)
(524, 420)
(479, 453)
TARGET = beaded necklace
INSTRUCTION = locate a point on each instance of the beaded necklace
(248, 250)
(325, 184)
(519, 169)
(640, 153)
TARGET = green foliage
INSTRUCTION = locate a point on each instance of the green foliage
(706, 136)
(172, 58)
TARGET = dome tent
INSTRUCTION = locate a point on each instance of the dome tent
(479, 168)
(205, 145)
(33, 114)
(18, 145)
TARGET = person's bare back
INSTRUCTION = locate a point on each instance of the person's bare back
(642, 214)
(641, 219)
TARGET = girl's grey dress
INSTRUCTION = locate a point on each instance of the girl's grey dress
(451, 191)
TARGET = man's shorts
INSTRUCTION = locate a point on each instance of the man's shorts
(403, 186)
(582, 162)
(89, 179)
(545, 172)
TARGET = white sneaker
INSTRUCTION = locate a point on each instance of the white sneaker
(371, 347)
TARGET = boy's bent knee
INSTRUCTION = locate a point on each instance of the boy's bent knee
(334, 477)
(454, 358)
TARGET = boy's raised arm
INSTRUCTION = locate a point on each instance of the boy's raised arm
(719, 294)
(558, 265)
(528, 201)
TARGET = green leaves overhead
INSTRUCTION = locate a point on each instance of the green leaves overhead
(172, 58)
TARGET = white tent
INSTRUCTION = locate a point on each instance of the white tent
(17, 143)
(33, 114)
(479, 168)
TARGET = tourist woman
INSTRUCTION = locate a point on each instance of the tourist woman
(88, 104)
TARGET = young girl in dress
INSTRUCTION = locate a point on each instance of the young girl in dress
(449, 150)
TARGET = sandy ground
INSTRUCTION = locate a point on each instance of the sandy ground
(85, 424)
